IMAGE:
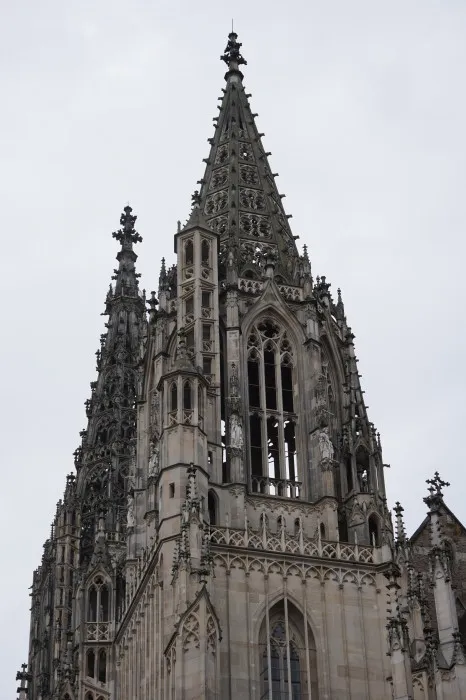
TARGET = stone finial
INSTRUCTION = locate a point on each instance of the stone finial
(232, 55)
(435, 497)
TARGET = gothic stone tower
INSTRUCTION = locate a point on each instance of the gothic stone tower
(227, 534)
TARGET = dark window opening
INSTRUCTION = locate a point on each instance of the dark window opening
(174, 397)
(270, 380)
(253, 380)
(188, 253)
(205, 252)
(206, 300)
(92, 610)
(374, 530)
(206, 334)
(297, 526)
(171, 490)
(104, 598)
(343, 528)
(212, 507)
(102, 666)
(287, 388)
(349, 473)
(362, 469)
(189, 305)
(256, 445)
(322, 531)
(207, 365)
(187, 396)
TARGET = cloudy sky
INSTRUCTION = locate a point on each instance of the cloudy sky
(363, 107)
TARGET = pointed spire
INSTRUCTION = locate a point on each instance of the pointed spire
(238, 197)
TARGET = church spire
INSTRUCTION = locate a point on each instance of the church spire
(103, 458)
(238, 195)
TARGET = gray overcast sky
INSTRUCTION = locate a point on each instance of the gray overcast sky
(363, 106)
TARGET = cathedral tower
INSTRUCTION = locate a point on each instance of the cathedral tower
(227, 532)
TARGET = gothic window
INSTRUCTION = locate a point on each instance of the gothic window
(362, 469)
(206, 300)
(173, 397)
(322, 531)
(373, 524)
(272, 418)
(212, 507)
(205, 252)
(92, 606)
(102, 666)
(187, 396)
(98, 601)
(90, 663)
(188, 253)
(287, 656)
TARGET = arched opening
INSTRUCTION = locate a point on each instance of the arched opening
(90, 663)
(187, 396)
(374, 530)
(342, 528)
(92, 605)
(288, 657)
(189, 253)
(205, 252)
(89, 696)
(102, 666)
(297, 526)
(322, 531)
(362, 469)
(104, 597)
(272, 421)
(212, 507)
(173, 397)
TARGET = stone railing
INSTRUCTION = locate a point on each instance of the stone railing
(269, 486)
(98, 631)
(283, 542)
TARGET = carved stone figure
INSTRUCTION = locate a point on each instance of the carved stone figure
(130, 512)
(154, 460)
(236, 432)
(325, 445)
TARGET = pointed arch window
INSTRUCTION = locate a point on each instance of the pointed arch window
(205, 252)
(272, 418)
(173, 397)
(189, 252)
(288, 664)
(102, 666)
(187, 396)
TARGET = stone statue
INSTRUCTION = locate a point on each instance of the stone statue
(130, 513)
(236, 432)
(325, 445)
(154, 460)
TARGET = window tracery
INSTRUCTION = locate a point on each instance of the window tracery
(288, 663)
(272, 417)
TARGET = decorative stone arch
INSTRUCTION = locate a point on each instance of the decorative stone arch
(286, 651)
(275, 408)
(374, 528)
(98, 597)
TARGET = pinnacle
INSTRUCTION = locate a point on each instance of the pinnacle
(238, 196)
